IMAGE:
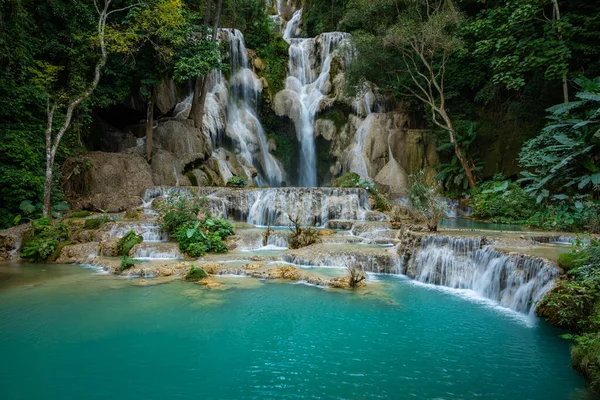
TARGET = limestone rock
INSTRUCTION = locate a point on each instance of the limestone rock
(114, 183)
(166, 96)
(79, 253)
(181, 138)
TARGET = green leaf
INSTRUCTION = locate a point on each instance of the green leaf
(595, 179)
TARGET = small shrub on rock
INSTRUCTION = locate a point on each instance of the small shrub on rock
(80, 214)
(353, 180)
(196, 274)
(237, 182)
(299, 236)
(425, 201)
(47, 235)
(127, 263)
(127, 242)
(95, 223)
(177, 210)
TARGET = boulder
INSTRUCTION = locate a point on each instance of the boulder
(181, 139)
(166, 96)
(79, 253)
(114, 183)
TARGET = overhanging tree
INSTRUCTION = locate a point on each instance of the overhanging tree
(425, 37)
(57, 100)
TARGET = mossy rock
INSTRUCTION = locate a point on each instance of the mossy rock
(95, 223)
(127, 242)
(196, 274)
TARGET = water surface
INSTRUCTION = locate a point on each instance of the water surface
(74, 335)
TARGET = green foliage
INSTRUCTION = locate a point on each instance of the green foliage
(95, 223)
(178, 215)
(237, 181)
(196, 274)
(575, 304)
(502, 201)
(321, 16)
(126, 243)
(272, 50)
(561, 162)
(517, 38)
(127, 263)
(176, 210)
(196, 239)
(47, 235)
(425, 201)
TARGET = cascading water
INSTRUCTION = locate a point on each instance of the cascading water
(314, 206)
(230, 111)
(514, 281)
(243, 125)
(309, 82)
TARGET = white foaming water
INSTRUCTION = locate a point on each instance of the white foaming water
(243, 125)
(513, 281)
(292, 29)
(309, 80)
(158, 251)
(151, 232)
(271, 206)
(230, 110)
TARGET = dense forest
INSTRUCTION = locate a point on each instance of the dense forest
(475, 69)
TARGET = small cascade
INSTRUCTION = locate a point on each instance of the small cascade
(151, 232)
(513, 281)
(292, 29)
(381, 263)
(158, 251)
(277, 240)
(309, 80)
(271, 206)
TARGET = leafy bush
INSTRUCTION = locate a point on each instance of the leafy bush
(178, 209)
(575, 304)
(196, 239)
(425, 202)
(566, 216)
(80, 214)
(561, 162)
(237, 181)
(127, 263)
(353, 180)
(178, 215)
(127, 242)
(196, 274)
(47, 235)
(503, 201)
(95, 223)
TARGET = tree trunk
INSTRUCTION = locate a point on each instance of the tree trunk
(149, 123)
(458, 151)
(565, 82)
(48, 187)
(195, 111)
(52, 145)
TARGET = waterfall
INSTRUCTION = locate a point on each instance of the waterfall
(513, 281)
(310, 83)
(150, 231)
(243, 125)
(231, 110)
